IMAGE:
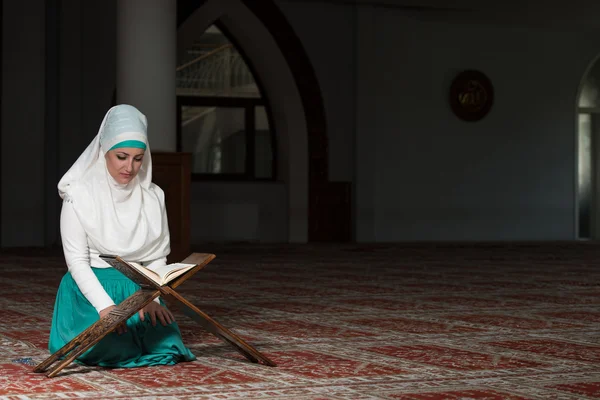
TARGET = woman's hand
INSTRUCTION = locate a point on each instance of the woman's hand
(156, 311)
(122, 327)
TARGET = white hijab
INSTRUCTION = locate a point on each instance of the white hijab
(128, 220)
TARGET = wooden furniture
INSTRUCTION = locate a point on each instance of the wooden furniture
(330, 212)
(148, 291)
(172, 172)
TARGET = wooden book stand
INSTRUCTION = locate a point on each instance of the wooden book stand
(148, 291)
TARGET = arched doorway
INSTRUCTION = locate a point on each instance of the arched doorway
(318, 210)
(588, 133)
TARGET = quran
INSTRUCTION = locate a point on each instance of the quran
(161, 275)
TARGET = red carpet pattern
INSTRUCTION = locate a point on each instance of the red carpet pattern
(478, 321)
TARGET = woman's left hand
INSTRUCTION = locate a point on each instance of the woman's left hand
(156, 311)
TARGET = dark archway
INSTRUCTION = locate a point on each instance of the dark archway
(329, 204)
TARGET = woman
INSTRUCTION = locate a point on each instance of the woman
(111, 206)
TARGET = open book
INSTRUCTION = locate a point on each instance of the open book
(162, 275)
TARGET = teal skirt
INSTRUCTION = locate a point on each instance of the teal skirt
(142, 345)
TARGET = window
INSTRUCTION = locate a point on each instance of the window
(589, 137)
(223, 119)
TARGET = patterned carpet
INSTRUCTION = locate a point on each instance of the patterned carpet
(478, 321)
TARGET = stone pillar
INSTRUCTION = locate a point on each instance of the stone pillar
(146, 61)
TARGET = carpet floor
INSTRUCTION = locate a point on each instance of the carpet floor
(445, 321)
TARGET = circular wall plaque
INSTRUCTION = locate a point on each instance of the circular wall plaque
(471, 95)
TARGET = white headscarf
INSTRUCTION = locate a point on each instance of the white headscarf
(128, 220)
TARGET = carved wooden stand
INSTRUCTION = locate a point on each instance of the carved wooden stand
(148, 291)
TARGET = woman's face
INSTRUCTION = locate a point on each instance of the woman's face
(124, 163)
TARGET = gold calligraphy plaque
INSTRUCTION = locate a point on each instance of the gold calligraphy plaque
(471, 95)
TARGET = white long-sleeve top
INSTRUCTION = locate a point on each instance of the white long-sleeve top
(81, 255)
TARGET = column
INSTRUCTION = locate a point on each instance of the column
(23, 109)
(146, 61)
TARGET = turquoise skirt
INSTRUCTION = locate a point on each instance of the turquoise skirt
(142, 345)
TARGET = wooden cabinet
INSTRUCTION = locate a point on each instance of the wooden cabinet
(172, 172)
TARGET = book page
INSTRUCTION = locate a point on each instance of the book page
(146, 271)
(164, 270)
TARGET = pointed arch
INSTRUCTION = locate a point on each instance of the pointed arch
(284, 70)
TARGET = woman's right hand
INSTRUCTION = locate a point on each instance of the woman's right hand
(122, 327)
